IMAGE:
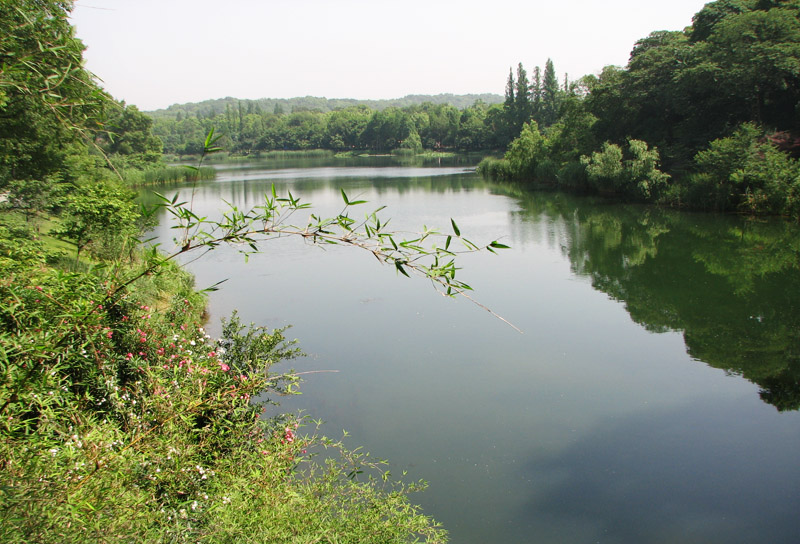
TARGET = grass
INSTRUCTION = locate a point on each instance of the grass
(166, 174)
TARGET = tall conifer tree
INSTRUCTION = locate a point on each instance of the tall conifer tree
(509, 102)
(522, 100)
(550, 95)
(536, 96)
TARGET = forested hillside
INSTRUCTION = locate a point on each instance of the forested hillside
(210, 108)
(706, 117)
(441, 122)
(247, 128)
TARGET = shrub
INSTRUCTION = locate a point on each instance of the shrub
(119, 424)
(634, 174)
(526, 152)
(495, 169)
(746, 172)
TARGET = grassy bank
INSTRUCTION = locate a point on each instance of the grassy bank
(122, 420)
(166, 175)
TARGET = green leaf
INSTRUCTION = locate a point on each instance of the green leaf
(209, 137)
(399, 266)
(498, 245)
(455, 227)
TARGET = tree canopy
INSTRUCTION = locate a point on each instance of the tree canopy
(684, 94)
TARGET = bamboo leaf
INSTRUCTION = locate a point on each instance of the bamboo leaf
(399, 266)
(455, 227)
(209, 137)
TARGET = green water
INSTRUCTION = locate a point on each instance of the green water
(652, 397)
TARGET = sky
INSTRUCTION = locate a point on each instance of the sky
(154, 53)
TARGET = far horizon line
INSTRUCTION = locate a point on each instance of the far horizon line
(322, 98)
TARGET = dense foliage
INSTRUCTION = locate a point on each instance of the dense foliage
(212, 107)
(714, 106)
(443, 122)
(249, 129)
(122, 420)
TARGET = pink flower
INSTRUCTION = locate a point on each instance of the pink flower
(224, 367)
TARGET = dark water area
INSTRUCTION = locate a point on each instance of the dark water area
(653, 396)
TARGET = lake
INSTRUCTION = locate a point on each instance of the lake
(651, 398)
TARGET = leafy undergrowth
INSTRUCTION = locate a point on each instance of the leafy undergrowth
(121, 420)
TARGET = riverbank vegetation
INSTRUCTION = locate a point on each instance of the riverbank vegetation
(705, 118)
(249, 130)
(120, 418)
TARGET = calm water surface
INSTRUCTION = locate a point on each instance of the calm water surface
(651, 399)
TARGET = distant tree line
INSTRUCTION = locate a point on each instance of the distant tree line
(211, 107)
(415, 122)
(706, 117)
(247, 128)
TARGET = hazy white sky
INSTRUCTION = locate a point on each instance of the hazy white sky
(153, 53)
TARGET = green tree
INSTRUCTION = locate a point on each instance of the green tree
(526, 152)
(746, 172)
(127, 135)
(706, 19)
(632, 175)
(551, 96)
(536, 95)
(510, 90)
(47, 98)
(473, 133)
(758, 55)
(101, 216)
(345, 127)
(522, 99)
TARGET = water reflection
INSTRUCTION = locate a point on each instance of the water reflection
(730, 284)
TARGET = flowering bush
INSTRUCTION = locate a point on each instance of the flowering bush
(120, 422)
